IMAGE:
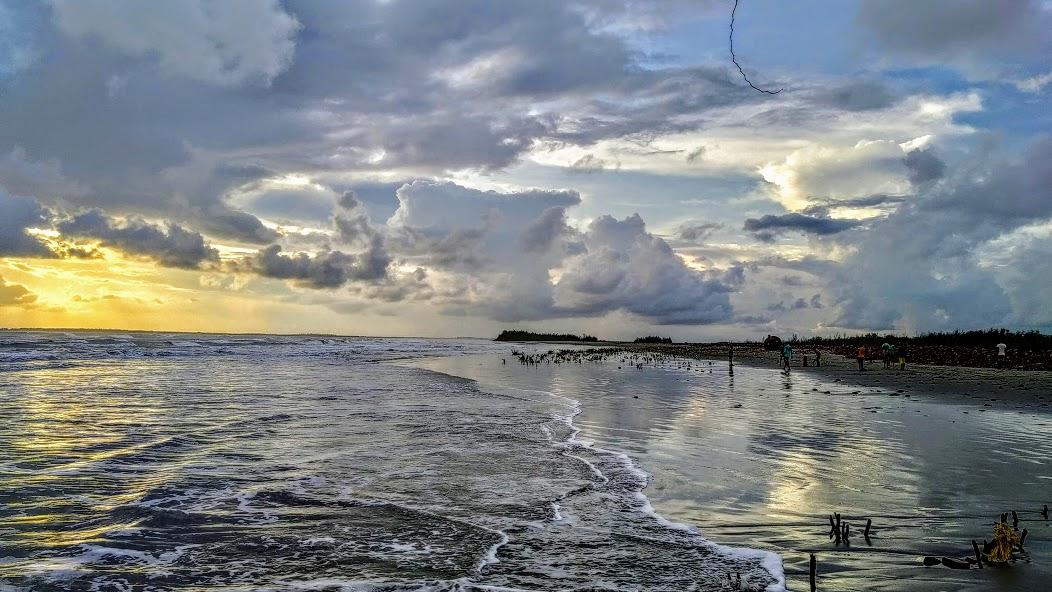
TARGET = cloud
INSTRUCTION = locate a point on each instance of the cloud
(448, 225)
(514, 256)
(864, 95)
(923, 166)
(624, 267)
(697, 232)
(285, 200)
(969, 33)
(866, 168)
(172, 246)
(543, 232)
(771, 224)
(244, 126)
(330, 269)
(20, 175)
(821, 207)
(230, 43)
(17, 214)
(15, 295)
(1034, 84)
(919, 268)
(590, 163)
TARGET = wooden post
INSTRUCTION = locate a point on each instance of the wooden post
(1022, 539)
(978, 555)
(814, 570)
(869, 523)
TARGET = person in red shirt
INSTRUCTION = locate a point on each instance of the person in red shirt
(861, 356)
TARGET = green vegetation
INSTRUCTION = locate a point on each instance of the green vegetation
(653, 339)
(1023, 340)
(520, 335)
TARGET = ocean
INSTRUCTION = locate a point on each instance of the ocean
(149, 461)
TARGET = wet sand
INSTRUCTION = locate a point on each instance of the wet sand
(759, 459)
(1024, 389)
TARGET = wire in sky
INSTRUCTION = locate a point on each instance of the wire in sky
(734, 58)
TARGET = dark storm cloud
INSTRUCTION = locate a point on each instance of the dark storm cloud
(16, 215)
(543, 232)
(956, 30)
(858, 96)
(235, 224)
(697, 232)
(923, 166)
(326, 270)
(771, 224)
(172, 246)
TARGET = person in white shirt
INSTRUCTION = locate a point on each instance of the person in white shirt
(1002, 354)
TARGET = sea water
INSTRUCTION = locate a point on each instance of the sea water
(145, 461)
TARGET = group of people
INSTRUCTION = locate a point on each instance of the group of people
(890, 355)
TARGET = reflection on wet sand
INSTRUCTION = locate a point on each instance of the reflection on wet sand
(760, 459)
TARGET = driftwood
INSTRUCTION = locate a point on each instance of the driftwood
(955, 563)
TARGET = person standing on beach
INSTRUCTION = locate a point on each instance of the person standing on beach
(886, 349)
(902, 357)
(861, 356)
(1002, 354)
(818, 357)
(787, 354)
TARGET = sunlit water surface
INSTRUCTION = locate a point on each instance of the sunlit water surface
(760, 459)
(155, 462)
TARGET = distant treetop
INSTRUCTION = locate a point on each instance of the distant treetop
(653, 339)
(520, 335)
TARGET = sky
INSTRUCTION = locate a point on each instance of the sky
(452, 168)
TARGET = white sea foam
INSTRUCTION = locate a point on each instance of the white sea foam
(26, 356)
(491, 553)
(771, 562)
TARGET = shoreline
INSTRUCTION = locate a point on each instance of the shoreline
(770, 561)
(747, 478)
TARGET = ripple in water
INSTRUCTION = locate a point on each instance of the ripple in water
(149, 462)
